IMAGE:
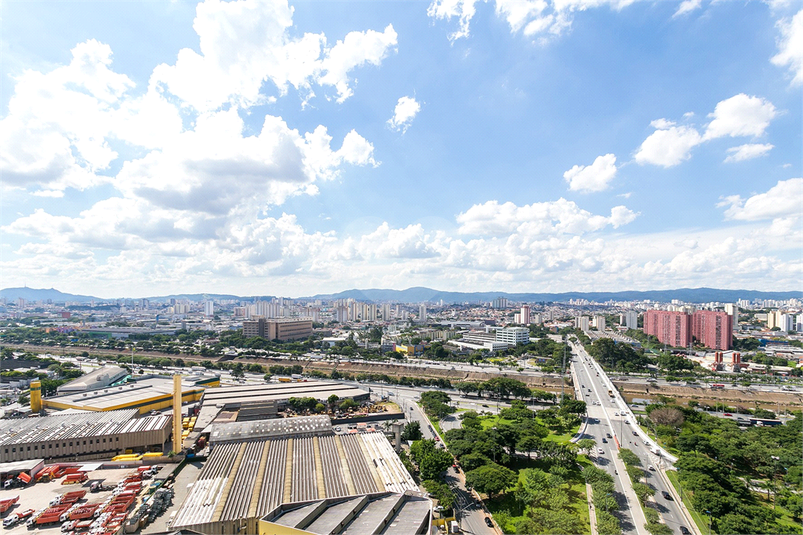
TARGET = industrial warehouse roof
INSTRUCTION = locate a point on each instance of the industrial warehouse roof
(386, 514)
(280, 427)
(124, 396)
(100, 378)
(243, 394)
(77, 426)
(251, 478)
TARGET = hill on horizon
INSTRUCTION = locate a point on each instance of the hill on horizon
(420, 294)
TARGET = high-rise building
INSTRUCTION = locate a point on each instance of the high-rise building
(713, 329)
(525, 314)
(581, 322)
(670, 327)
(631, 319)
(499, 302)
(422, 313)
(209, 308)
(732, 310)
(599, 322)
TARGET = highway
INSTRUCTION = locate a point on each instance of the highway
(609, 417)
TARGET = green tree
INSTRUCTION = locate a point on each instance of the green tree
(491, 479)
(412, 431)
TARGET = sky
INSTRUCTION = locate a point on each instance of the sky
(267, 147)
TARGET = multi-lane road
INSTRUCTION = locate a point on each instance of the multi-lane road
(607, 418)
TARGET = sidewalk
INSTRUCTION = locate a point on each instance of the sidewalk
(592, 513)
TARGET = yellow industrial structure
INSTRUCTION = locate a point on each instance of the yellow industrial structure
(178, 443)
(36, 396)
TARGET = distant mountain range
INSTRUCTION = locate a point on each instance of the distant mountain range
(428, 295)
(689, 295)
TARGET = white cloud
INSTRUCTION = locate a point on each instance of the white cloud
(782, 200)
(740, 115)
(747, 152)
(669, 145)
(244, 43)
(790, 47)
(737, 116)
(537, 219)
(594, 177)
(553, 17)
(404, 113)
(518, 12)
(687, 6)
(464, 10)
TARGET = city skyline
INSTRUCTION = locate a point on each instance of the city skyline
(260, 147)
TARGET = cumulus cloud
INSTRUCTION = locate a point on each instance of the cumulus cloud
(790, 47)
(668, 145)
(594, 177)
(785, 199)
(246, 42)
(748, 152)
(404, 113)
(544, 218)
(740, 115)
(464, 10)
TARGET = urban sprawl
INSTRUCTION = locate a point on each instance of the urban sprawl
(287, 416)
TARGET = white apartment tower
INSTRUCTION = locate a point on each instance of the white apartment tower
(209, 308)
(422, 313)
(525, 314)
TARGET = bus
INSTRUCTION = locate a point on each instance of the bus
(717, 386)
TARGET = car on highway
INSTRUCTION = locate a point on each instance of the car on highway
(488, 522)
(600, 451)
(684, 530)
(727, 414)
(616, 414)
(635, 434)
(667, 496)
(604, 440)
(608, 435)
(650, 468)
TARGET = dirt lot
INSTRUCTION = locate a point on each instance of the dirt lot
(38, 496)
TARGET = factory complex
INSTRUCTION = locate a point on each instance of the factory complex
(296, 475)
(72, 436)
(252, 471)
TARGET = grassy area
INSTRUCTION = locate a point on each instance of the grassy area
(491, 421)
(700, 520)
(506, 509)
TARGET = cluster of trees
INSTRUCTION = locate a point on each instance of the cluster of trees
(498, 387)
(476, 446)
(620, 357)
(674, 363)
(431, 460)
(295, 369)
(603, 490)
(762, 358)
(312, 405)
(545, 500)
(717, 458)
(402, 381)
(643, 491)
(436, 404)
(412, 431)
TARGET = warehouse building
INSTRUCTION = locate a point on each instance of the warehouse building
(148, 393)
(257, 402)
(256, 470)
(82, 436)
(100, 378)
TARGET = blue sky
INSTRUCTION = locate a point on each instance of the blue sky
(267, 147)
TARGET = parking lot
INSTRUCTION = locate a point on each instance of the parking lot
(38, 496)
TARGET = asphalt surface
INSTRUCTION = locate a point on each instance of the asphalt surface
(607, 418)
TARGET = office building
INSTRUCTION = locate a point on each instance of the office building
(283, 330)
(513, 335)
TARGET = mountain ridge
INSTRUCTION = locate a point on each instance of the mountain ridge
(421, 294)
